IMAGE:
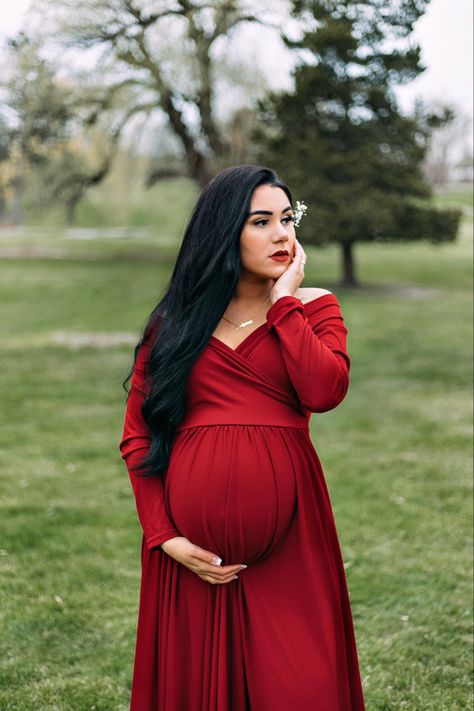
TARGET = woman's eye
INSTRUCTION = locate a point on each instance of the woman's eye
(285, 219)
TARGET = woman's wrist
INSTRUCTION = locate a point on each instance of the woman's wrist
(278, 295)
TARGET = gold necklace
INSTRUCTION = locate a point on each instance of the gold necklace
(246, 323)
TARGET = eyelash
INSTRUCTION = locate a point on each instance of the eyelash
(289, 219)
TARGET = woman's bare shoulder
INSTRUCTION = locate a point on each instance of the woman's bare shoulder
(310, 293)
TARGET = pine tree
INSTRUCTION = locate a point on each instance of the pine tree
(340, 139)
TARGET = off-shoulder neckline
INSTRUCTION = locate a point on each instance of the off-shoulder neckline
(265, 323)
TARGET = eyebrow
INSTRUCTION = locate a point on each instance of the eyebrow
(267, 212)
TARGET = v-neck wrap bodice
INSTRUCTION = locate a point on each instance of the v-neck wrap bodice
(278, 375)
(243, 394)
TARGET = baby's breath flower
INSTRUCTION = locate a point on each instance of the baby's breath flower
(298, 212)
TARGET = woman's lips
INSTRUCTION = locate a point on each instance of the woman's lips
(280, 257)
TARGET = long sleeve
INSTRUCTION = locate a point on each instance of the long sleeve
(148, 491)
(312, 338)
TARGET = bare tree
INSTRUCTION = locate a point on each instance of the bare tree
(159, 56)
(449, 144)
(44, 144)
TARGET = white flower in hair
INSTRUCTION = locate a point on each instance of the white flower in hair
(298, 212)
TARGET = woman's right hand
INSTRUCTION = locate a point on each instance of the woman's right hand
(289, 280)
(200, 561)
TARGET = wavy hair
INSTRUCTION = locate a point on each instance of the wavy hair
(202, 283)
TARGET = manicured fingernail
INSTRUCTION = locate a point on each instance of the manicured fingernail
(217, 561)
(234, 577)
(244, 566)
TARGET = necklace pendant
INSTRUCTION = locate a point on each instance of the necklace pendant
(245, 323)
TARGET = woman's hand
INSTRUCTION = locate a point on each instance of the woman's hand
(200, 561)
(289, 281)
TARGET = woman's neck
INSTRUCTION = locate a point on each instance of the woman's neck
(250, 291)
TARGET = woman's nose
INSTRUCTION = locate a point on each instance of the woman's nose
(282, 231)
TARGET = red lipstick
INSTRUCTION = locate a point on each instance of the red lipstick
(280, 256)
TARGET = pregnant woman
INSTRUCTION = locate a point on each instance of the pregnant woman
(243, 602)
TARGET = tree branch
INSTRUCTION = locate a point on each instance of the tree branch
(150, 19)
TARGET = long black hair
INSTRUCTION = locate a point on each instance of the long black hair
(202, 283)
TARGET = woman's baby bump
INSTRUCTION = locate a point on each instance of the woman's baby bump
(231, 489)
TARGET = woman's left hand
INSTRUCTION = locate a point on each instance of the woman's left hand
(290, 280)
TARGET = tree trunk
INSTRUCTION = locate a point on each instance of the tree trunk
(70, 205)
(348, 270)
(18, 192)
(198, 167)
(70, 212)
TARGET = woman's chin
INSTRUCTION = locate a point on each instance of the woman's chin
(272, 271)
(279, 267)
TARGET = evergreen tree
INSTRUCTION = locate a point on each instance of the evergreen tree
(340, 139)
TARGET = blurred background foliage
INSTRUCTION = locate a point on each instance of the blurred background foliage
(161, 85)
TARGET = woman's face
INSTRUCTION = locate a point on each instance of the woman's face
(268, 230)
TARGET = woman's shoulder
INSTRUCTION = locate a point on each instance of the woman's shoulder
(310, 293)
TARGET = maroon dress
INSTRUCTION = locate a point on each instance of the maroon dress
(245, 482)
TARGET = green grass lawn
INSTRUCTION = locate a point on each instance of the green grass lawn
(397, 457)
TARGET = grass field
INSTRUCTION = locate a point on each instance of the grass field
(397, 457)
